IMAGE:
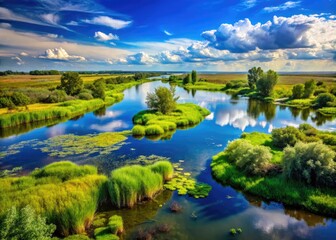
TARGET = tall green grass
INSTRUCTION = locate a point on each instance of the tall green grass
(131, 184)
(151, 123)
(66, 194)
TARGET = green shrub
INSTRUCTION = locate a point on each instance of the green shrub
(56, 96)
(154, 130)
(309, 89)
(164, 168)
(85, 96)
(324, 100)
(116, 224)
(138, 130)
(308, 129)
(20, 99)
(312, 163)
(286, 136)
(297, 91)
(6, 102)
(77, 237)
(104, 233)
(163, 100)
(24, 224)
(130, 184)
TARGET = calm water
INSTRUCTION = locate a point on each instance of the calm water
(225, 207)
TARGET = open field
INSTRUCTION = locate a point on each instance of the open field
(49, 81)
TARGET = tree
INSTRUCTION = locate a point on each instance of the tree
(20, 99)
(98, 89)
(253, 76)
(163, 100)
(187, 79)
(312, 163)
(286, 136)
(266, 84)
(24, 224)
(309, 88)
(298, 91)
(71, 83)
(194, 76)
(325, 100)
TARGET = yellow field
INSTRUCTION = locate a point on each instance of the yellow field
(17, 81)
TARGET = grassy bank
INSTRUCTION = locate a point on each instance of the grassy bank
(131, 184)
(63, 111)
(277, 188)
(151, 122)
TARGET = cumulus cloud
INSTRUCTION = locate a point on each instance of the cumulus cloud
(109, 22)
(100, 36)
(298, 31)
(282, 7)
(136, 59)
(167, 33)
(61, 54)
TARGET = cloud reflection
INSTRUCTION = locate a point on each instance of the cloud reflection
(109, 127)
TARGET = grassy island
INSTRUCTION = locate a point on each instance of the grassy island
(152, 122)
(298, 170)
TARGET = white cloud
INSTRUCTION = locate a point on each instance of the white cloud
(61, 54)
(167, 33)
(51, 35)
(5, 25)
(100, 36)
(24, 54)
(18, 60)
(282, 7)
(249, 3)
(51, 18)
(138, 59)
(109, 22)
(72, 23)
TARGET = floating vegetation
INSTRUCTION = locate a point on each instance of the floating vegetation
(70, 145)
(12, 172)
(185, 184)
(235, 231)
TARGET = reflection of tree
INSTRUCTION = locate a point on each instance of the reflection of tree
(234, 99)
(137, 88)
(295, 112)
(310, 218)
(320, 119)
(255, 108)
(100, 112)
(193, 92)
(305, 114)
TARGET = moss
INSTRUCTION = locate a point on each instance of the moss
(151, 123)
(116, 224)
(104, 233)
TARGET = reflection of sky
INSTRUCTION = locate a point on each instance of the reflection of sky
(109, 127)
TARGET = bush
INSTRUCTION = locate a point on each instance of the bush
(309, 88)
(85, 96)
(286, 136)
(312, 163)
(116, 224)
(71, 83)
(56, 96)
(297, 91)
(20, 99)
(6, 102)
(164, 168)
(154, 130)
(308, 129)
(138, 130)
(24, 224)
(163, 100)
(324, 100)
(251, 159)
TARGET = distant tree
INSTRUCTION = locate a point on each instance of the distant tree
(71, 83)
(253, 76)
(309, 88)
(187, 79)
(98, 89)
(163, 100)
(266, 84)
(194, 76)
(24, 224)
(297, 91)
(325, 100)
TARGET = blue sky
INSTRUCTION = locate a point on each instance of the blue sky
(218, 35)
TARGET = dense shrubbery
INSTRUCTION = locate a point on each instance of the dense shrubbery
(286, 136)
(163, 100)
(44, 72)
(297, 91)
(56, 96)
(251, 159)
(312, 163)
(235, 84)
(325, 100)
(131, 184)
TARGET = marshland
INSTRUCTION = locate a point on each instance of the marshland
(122, 170)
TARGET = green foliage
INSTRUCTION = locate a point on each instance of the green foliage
(116, 224)
(163, 100)
(104, 233)
(325, 100)
(286, 136)
(297, 91)
(251, 159)
(131, 184)
(253, 76)
(98, 89)
(67, 202)
(266, 84)
(187, 79)
(155, 123)
(164, 168)
(312, 163)
(56, 96)
(44, 72)
(12, 172)
(85, 96)
(6, 102)
(194, 76)
(71, 83)
(236, 84)
(77, 237)
(20, 99)
(24, 224)
(309, 88)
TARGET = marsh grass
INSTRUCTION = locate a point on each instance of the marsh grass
(131, 184)
(151, 123)
(116, 224)
(67, 199)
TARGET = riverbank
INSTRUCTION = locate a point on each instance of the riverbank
(62, 111)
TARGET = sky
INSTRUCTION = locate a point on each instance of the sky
(174, 35)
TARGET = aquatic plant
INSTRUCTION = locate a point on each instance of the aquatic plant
(68, 202)
(104, 233)
(164, 168)
(116, 224)
(130, 184)
(138, 130)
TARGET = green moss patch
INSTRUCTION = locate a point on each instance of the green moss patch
(151, 123)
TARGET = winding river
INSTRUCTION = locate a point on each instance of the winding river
(224, 208)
